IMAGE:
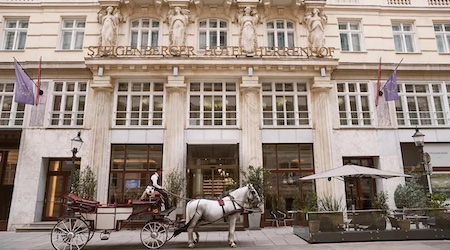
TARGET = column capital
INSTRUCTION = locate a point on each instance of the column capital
(321, 84)
(250, 82)
(102, 83)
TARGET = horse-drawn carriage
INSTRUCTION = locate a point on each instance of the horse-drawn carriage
(86, 216)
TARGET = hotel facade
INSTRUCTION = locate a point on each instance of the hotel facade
(207, 88)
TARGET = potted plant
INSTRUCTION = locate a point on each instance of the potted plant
(84, 183)
(174, 184)
(260, 179)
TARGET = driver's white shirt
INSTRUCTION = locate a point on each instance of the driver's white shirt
(154, 179)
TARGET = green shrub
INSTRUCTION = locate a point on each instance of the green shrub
(84, 183)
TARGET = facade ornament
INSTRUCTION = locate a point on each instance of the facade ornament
(227, 6)
(198, 5)
(178, 20)
(296, 4)
(315, 23)
(267, 6)
(110, 19)
(247, 19)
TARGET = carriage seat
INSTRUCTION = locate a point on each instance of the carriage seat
(79, 204)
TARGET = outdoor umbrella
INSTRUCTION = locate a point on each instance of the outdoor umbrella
(353, 171)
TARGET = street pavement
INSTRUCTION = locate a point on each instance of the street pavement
(281, 238)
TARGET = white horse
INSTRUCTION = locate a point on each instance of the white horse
(212, 211)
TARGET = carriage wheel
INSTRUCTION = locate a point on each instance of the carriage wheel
(154, 235)
(71, 234)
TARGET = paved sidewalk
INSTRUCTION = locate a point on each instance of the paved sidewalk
(266, 238)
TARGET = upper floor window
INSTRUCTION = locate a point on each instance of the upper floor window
(139, 104)
(285, 104)
(72, 34)
(350, 35)
(212, 33)
(15, 34)
(422, 104)
(442, 32)
(280, 33)
(11, 113)
(404, 37)
(353, 101)
(213, 104)
(144, 32)
(69, 102)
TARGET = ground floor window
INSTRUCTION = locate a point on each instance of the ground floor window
(360, 191)
(131, 168)
(212, 170)
(287, 163)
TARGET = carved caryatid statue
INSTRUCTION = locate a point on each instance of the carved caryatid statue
(247, 19)
(315, 23)
(178, 20)
(110, 20)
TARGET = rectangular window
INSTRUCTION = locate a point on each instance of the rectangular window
(15, 34)
(442, 32)
(353, 102)
(285, 104)
(11, 112)
(69, 102)
(72, 34)
(213, 104)
(350, 34)
(139, 104)
(404, 38)
(422, 104)
(212, 33)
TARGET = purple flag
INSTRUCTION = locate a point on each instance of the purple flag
(391, 88)
(24, 86)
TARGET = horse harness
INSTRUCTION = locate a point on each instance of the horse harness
(234, 202)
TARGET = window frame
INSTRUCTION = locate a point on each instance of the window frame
(151, 42)
(403, 105)
(74, 32)
(276, 32)
(80, 92)
(208, 32)
(14, 115)
(444, 37)
(348, 32)
(402, 35)
(199, 117)
(155, 114)
(17, 34)
(272, 113)
(347, 95)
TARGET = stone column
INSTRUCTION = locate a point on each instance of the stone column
(99, 155)
(323, 130)
(174, 155)
(251, 143)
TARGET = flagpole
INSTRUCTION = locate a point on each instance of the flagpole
(38, 92)
(394, 70)
(378, 84)
(25, 71)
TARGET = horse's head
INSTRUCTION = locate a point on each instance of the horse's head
(253, 197)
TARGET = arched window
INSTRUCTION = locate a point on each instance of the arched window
(212, 33)
(280, 33)
(144, 32)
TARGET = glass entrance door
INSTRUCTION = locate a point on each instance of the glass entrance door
(212, 170)
(58, 186)
(360, 191)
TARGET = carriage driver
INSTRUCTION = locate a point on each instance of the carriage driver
(154, 178)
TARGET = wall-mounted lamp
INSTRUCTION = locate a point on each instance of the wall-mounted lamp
(100, 71)
(322, 72)
(76, 144)
(175, 71)
(250, 71)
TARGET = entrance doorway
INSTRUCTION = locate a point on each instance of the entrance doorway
(58, 186)
(360, 191)
(212, 170)
(8, 164)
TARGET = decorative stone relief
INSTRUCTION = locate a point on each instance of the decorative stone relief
(110, 19)
(247, 19)
(315, 23)
(178, 20)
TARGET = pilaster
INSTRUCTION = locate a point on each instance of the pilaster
(175, 118)
(323, 130)
(99, 156)
(250, 123)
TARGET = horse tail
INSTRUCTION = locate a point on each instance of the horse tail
(188, 221)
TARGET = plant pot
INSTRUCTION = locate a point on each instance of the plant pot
(404, 224)
(314, 226)
(254, 221)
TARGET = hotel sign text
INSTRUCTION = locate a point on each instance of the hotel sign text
(212, 52)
